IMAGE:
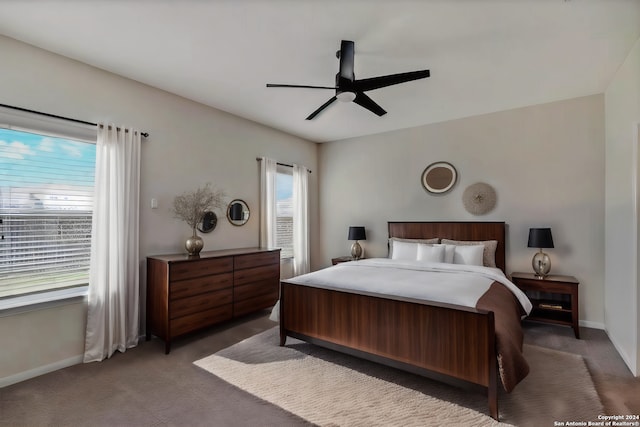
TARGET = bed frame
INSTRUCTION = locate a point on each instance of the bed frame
(446, 342)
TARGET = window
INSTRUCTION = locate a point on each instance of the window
(284, 210)
(46, 192)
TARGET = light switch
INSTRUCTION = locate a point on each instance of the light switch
(154, 203)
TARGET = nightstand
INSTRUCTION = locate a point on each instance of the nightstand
(338, 260)
(554, 298)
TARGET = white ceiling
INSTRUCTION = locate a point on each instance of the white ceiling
(484, 55)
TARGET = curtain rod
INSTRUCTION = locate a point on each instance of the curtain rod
(145, 134)
(281, 164)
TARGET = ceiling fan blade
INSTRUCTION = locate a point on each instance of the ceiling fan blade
(346, 60)
(302, 86)
(391, 79)
(322, 107)
(368, 103)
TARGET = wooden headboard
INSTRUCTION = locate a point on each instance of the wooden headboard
(455, 231)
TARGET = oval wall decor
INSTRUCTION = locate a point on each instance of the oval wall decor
(479, 198)
(439, 177)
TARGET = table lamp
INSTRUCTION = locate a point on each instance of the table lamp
(540, 238)
(356, 233)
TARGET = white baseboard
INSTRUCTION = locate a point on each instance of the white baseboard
(624, 355)
(40, 370)
(590, 324)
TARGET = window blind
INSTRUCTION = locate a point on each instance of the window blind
(284, 210)
(46, 201)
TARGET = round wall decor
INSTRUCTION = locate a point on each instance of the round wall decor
(479, 198)
(439, 177)
(208, 223)
(238, 212)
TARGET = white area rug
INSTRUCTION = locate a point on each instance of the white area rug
(328, 388)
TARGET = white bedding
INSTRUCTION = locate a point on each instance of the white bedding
(439, 282)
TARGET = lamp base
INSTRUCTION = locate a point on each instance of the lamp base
(356, 250)
(541, 264)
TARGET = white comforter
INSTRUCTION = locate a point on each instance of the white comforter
(440, 282)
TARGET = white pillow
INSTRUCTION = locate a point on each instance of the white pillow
(448, 253)
(392, 240)
(468, 255)
(430, 253)
(490, 246)
(404, 250)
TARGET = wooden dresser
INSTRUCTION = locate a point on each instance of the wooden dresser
(185, 293)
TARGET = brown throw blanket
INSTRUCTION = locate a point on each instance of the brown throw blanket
(507, 312)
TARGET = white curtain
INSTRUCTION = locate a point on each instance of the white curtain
(113, 313)
(300, 220)
(268, 171)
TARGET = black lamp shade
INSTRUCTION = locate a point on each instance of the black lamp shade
(357, 233)
(236, 212)
(540, 238)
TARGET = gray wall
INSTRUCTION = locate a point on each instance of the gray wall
(622, 291)
(546, 163)
(189, 145)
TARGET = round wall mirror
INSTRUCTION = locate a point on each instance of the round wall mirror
(208, 223)
(238, 212)
(439, 177)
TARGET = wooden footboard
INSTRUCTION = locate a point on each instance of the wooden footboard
(441, 341)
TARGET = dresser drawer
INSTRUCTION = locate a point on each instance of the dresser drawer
(187, 288)
(266, 272)
(256, 259)
(253, 304)
(189, 323)
(204, 267)
(201, 302)
(253, 289)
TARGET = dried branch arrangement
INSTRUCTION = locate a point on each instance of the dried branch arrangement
(192, 205)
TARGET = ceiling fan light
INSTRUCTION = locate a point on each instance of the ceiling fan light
(346, 96)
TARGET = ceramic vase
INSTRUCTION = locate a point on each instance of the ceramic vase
(194, 244)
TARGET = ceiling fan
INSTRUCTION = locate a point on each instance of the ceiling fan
(349, 89)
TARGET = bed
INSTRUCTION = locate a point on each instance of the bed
(461, 345)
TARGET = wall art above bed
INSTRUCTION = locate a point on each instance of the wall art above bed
(479, 198)
(439, 177)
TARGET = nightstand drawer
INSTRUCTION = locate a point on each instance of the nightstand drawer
(546, 286)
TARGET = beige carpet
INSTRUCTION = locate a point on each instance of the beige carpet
(331, 389)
